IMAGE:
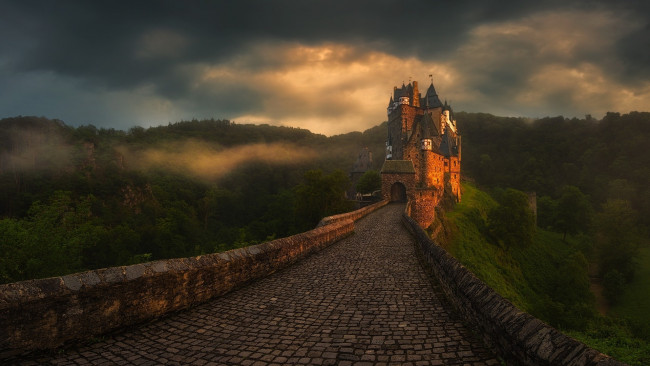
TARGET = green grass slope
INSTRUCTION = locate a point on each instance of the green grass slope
(634, 305)
(469, 245)
(547, 279)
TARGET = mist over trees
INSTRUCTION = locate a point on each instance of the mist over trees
(197, 187)
(73, 199)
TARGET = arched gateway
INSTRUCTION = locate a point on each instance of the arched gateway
(397, 180)
(398, 192)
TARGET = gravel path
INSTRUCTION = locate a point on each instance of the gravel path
(363, 301)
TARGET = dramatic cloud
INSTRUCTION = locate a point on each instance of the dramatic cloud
(549, 63)
(329, 66)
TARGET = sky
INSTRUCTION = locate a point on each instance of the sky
(325, 65)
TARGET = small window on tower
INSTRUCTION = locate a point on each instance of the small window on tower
(425, 144)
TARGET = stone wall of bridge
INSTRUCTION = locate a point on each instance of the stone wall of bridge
(354, 215)
(45, 313)
(518, 337)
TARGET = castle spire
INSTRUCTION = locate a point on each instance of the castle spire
(432, 97)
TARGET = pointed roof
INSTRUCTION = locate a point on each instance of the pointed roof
(429, 127)
(432, 97)
(390, 103)
(448, 145)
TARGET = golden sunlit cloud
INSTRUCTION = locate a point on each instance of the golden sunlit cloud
(533, 65)
(512, 68)
(328, 77)
(529, 67)
(331, 88)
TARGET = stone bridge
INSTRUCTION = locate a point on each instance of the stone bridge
(365, 300)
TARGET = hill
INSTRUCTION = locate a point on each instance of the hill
(79, 198)
(605, 159)
(548, 278)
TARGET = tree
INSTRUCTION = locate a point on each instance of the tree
(613, 285)
(573, 211)
(546, 211)
(51, 241)
(321, 195)
(617, 238)
(369, 182)
(512, 221)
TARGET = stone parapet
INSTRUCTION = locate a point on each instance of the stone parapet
(518, 337)
(353, 215)
(45, 313)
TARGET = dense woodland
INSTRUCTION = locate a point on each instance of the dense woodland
(590, 177)
(73, 199)
(591, 181)
(80, 198)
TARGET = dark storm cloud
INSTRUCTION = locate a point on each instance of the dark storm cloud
(174, 59)
(100, 40)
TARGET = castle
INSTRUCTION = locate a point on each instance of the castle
(423, 152)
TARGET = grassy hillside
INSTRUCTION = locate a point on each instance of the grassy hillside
(634, 305)
(548, 279)
(469, 244)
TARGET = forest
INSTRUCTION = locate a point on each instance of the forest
(590, 178)
(79, 198)
(73, 199)
(590, 233)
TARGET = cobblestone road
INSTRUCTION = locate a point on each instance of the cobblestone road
(363, 301)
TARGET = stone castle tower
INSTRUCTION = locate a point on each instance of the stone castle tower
(423, 152)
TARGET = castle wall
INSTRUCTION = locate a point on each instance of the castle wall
(518, 337)
(400, 122)
(434, 170)
(45, 313)
(423, 205)
(454, 176)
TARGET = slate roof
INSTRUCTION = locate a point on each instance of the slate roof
(448, 146)
(429, 127)
(432, 100)
(398, 166)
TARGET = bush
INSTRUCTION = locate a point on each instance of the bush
(512, 221)
(614, 284)
(369, 182)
